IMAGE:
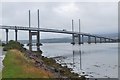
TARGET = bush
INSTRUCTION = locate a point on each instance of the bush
(13, 45)
(3, 44)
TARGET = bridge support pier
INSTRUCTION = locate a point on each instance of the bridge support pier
(73, 39)
(89, 39)
(30, 40)
(105, 40)
(16, 34)
(38, 41)
(95, 40)
(82, 39)
(79, 39)
(109, 41)
(6, 36)
(100, 40)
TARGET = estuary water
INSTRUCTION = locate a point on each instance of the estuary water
(1, 59)
(96, 60)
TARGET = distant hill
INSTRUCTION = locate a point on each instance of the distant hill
(53, 40)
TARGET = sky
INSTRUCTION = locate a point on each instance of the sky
(96, 17)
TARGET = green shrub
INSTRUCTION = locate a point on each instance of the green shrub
(13, 45)
(3, 44)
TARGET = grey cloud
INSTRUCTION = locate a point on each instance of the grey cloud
(95, 17)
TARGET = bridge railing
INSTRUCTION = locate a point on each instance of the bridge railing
(49, 30)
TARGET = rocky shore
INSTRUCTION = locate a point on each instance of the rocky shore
(34, 62)
(49, 64)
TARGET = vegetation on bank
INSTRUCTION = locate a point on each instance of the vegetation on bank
(19, 64)
(13, 45)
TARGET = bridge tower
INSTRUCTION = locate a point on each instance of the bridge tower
(36, 33)
(76, 36)
(73, 35)
(79, 37)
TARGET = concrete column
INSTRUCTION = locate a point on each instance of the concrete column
(89, 39)
(38, 33)
(6, 36)
(82, 39)
(100, 40)
(95, 40)
(16, 34)
(30, 35)
(38, 41)
(105, 40)
(79, 39)
(73, 39)
(30, 40)
(109, 40)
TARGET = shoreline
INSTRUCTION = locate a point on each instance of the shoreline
(2, 56)
(36, 61)
(49, 64)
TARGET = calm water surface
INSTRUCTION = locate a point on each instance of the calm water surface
(96, 60)
(1, 58)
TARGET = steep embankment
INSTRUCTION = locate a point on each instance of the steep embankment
(19, 66)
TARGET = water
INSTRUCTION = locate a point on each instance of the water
(1, 59)
(96, 60)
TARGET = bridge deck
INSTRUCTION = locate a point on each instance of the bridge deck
(48, 30)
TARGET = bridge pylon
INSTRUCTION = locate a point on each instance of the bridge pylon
(35, 33)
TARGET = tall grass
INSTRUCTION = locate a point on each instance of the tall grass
(17, 66)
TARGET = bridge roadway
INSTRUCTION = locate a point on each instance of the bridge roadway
(49, 30)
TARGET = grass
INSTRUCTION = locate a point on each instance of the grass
(18, 66)
(0, 75)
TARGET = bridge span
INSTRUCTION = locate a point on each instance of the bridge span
(49, 30)
(36, 31)
(75, 34)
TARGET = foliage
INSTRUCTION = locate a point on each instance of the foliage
(13, 45)
(3, 44)
(16, 65)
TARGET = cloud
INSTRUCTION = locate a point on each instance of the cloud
(95, 17)
(68, 9)
(59, 0)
